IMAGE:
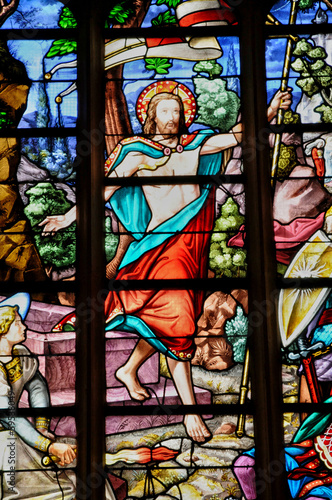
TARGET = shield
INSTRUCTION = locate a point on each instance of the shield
(298, 306)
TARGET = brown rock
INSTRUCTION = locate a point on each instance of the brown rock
(213, 351)
(19, 259)
(226, 428)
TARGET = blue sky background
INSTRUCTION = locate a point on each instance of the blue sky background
(281, 11)
(31, 53)
(137, 77)
(35, 14)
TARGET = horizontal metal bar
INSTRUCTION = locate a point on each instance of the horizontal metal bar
(21, 133)
(204, 409)
(39, 34)
(171, 31)
(176, 179)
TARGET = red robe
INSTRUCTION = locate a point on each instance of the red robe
(170, 314)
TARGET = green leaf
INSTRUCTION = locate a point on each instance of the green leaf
(170, 3)
(302, 47)
(158, 64)
(67, 19)
(326, 113)
(306, 4)
(211, 67)
(317, 53)
(308, 86)
(164, 18)
(121, 12)
(61, 48)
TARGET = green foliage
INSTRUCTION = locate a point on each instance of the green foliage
(317, 53)
(290, 117)
(315, 73)
(61, 48)
(67, 19)
(111, 240)
(58, 250)
(121, 12)
(158, 64)
(224, 260)
(236, 330)
(306, 4)
(170, 3)
(211, 67)
(5, 120)
(326, 113)
(302, 47)
(217, 106)
(164, 18)
(286, 162)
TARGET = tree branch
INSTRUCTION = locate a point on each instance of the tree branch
(6, 10)
(328, 3)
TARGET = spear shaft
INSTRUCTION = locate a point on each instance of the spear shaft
(283, 88)
(243, 395)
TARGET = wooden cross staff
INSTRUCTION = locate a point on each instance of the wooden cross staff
(283, 88)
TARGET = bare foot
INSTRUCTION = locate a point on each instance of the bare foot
(196, 428)
(135, 389)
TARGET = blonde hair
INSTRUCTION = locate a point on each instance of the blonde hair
(7, 317)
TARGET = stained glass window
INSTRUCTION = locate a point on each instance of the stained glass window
(38, 179)
(300, 150)
(197, 364)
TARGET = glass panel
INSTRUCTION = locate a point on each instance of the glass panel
(308, 67)
(304, 12)
(194, 87)
(203, 74)
(208, 331)
(42, 84)
(171, 13)
(34, 14)
(36, 372)
(307, 459)
(154, 457)
(221, 239)
(305, 328)
(37, 181)
(301, 203)
(308, 454)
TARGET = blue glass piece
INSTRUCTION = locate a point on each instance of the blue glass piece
(34, 14)
(309, 12)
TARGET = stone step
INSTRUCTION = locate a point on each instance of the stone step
(163, 393)
(119, 346)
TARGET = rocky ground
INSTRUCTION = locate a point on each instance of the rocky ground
(198, 472)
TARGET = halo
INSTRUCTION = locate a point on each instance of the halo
(172, 87)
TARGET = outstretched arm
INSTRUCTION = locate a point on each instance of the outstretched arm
(53, 223)
(219, 142)
(126, 168)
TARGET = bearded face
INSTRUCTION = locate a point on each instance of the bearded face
(167, 117)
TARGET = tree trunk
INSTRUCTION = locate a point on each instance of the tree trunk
(117, 121)
(7, 10)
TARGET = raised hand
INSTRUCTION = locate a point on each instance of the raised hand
(281, 100)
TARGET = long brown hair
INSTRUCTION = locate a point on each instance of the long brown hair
(150, 124)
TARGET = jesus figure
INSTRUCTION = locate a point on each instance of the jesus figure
(171, 226)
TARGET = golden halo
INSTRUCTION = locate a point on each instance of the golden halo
(187, 97)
